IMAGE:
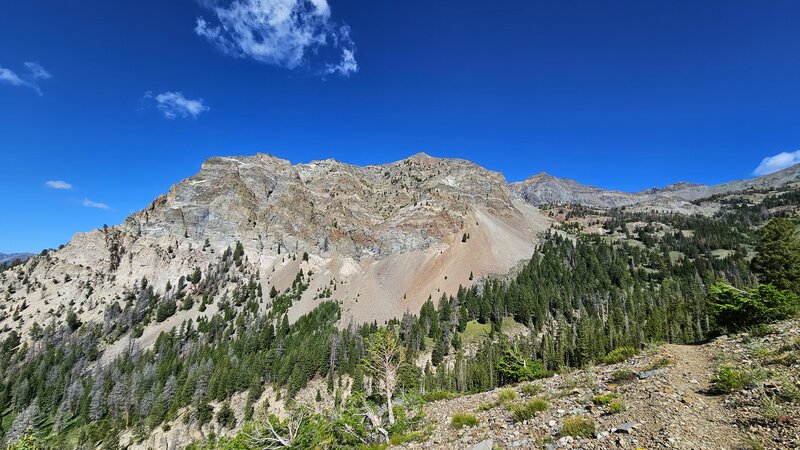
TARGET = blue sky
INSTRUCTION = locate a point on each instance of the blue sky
(121, 99)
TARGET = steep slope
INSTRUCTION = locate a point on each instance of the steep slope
(386, 237)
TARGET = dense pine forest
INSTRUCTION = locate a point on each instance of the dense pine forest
(582, 299)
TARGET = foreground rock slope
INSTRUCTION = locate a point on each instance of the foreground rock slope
(666, 397)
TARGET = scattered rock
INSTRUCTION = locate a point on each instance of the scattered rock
(627, 427)
(650, 373)
(487, 444)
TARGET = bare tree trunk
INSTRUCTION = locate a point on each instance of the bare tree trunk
(389, 405)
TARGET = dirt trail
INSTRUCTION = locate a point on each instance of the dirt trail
(687, 416)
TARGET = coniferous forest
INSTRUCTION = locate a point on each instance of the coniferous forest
(581, 299)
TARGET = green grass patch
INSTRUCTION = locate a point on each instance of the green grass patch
(488, 406)
(506, 395)
(531, 389)
(438, 395)
(659, 364)
(528, 410)
(475, 331)
(616, 407)
(461, 420)
(623, 375)
(414, 436)
(761, 330)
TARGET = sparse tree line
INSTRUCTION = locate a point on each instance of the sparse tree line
(580, 300)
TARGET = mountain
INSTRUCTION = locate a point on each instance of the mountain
(388, 237)
(8, 258)
(379, 239)
(258, 285)
(543, 189)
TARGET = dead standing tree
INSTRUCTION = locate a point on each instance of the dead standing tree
(385, 354)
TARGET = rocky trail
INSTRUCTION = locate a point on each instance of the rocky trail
(664, 400)
(687, 415)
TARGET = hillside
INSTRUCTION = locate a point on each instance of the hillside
(666, 397)
(260, 287)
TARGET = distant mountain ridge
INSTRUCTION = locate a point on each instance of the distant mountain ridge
(544, 189)
(8, 258)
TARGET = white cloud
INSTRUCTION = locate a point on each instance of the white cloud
(174, 104)
(37, 72)
(346, 66)
(777, 162)
(90, 204)
(56, 184)
(8, 76)
(286, 33)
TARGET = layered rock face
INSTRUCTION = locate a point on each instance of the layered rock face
(387, 236)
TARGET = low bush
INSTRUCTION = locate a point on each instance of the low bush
(730, 379)
(461, 420)
(616, 407)
(761, 330)
(603, 400)
(578, 426)
(659, 363)
(623, 375)
(618, 355)
(531, 389)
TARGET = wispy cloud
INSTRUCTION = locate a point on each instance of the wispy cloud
(174, 104)
(56, 184)
(90, 204)
(777, 162)
(286, 33)
(35, 73)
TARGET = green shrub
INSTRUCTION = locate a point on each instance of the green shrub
(729, 379)
(603, 400)
(531, 389)
(461, 420)
(618, 355)
(515, 367)
(623, 375)
(528, 410)
(578, 426)
(761, 330)
(735, 309)
(659, 363)
(506, 395)
(616, 407)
